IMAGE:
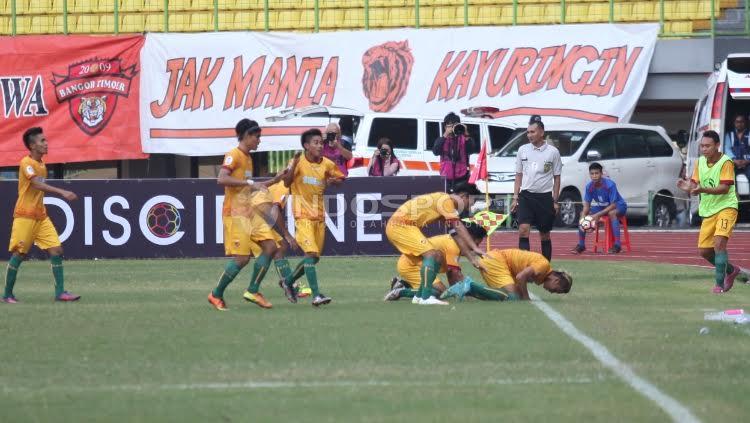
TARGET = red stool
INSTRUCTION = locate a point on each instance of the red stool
(609, 238)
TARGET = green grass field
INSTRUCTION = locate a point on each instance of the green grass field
(144, 345)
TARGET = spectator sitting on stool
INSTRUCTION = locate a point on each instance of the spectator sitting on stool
(601, 198)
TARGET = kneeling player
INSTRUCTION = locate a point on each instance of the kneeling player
(406, 285)
(507, 273)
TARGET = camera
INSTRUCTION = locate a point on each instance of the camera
(384, 152)
(459, 129)
(330, 137)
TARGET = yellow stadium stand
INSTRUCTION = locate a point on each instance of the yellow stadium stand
(333, 18)
(203, 21)
(132, 23)
(154, 22)
(84, 24)
(401, 17)
(179, 22)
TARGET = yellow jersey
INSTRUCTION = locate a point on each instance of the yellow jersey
(277, 194)
(30, 201)
(514, 261)
(446, 245)
(308, 186)
(240, 166)
(425, 209)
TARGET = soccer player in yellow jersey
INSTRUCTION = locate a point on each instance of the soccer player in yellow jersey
(242, 226)
(31, 225)
(507, 272)
(407, 284)
(713, 180)
(308, 177)
(404, 232)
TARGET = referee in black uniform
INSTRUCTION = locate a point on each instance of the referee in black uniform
(537, 187)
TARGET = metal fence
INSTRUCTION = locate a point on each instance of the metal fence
(677, 18)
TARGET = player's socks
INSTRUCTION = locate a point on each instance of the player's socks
(298, 271)
(616, 230)
(260, 267)
(10, 275)
(230, 272)
(721, 259)
(523, 243)
(312, 276)
(485, 293)
(408, 293)
(57, 272)
(284, 271)
(581, 238)
(547, 249)
(730, 266)
(427, 274)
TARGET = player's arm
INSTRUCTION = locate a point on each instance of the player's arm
(605, 211)
(41, 185)
(465, 243)
(334, 175)
(726, 180)
(281, 224)
(688, 185)
(586, 208)
(288, 176)
(522, 279)
(225, 179)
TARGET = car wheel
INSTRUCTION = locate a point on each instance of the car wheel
(663, 212)
(570, 209)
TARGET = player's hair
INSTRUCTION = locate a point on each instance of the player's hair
(246, 126)
(566, 280)
(451, 118)
(307, 135)
(475, 230)
(740, 115)
(713, 135)
(595, 166)
(465, 188)
(30, 134)
(536, 120)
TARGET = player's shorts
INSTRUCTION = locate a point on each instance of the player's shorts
(256, 250)
(537, 209)
(719, 224)
(27, 232)
(497, 274)
(409, 268)
(240, 232)
(408, 239)
(310, 235)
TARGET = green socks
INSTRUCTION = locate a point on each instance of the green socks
(10, 276)
(284, 271)
(730, 268)
(298, 272)
(230, 272)
(720, 260)
(260, 267)
(483, 292)
(427, 274)
(312, 277)
(57, 272)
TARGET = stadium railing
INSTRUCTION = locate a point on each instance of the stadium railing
(677, 18)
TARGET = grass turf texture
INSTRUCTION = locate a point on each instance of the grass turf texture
(144, 345)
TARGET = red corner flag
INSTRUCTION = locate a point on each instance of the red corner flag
(480, 169)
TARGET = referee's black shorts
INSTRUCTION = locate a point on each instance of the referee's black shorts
(537, 209)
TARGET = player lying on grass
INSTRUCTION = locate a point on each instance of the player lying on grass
(600, 199)
(507, 273)
(308, 177)
(404, 231)
(31, 225)
(713, 180)
(243, 227)
(406, 285)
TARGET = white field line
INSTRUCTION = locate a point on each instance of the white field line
(259, 384)
(675, 410)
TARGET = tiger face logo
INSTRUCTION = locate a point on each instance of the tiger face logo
(387, 69)
(92, 110)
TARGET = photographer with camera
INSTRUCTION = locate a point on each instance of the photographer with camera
(454, 148)
(335, 149)
(384, 161)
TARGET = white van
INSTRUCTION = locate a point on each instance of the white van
(638, 158)
(727, 94)
(413, 136)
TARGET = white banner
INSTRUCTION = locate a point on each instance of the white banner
(195, 87)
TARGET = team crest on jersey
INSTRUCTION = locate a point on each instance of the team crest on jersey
(91, 89)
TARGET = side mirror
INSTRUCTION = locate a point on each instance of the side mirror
(593, 155)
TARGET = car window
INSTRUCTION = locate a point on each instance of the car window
(565, 141)
(473, 130)
(631, 145)
(401, 131)
(432, 132)
(657, 146)
(499, 136)
(604, 144)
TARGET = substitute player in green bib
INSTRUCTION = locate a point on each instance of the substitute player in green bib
(713, 180)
